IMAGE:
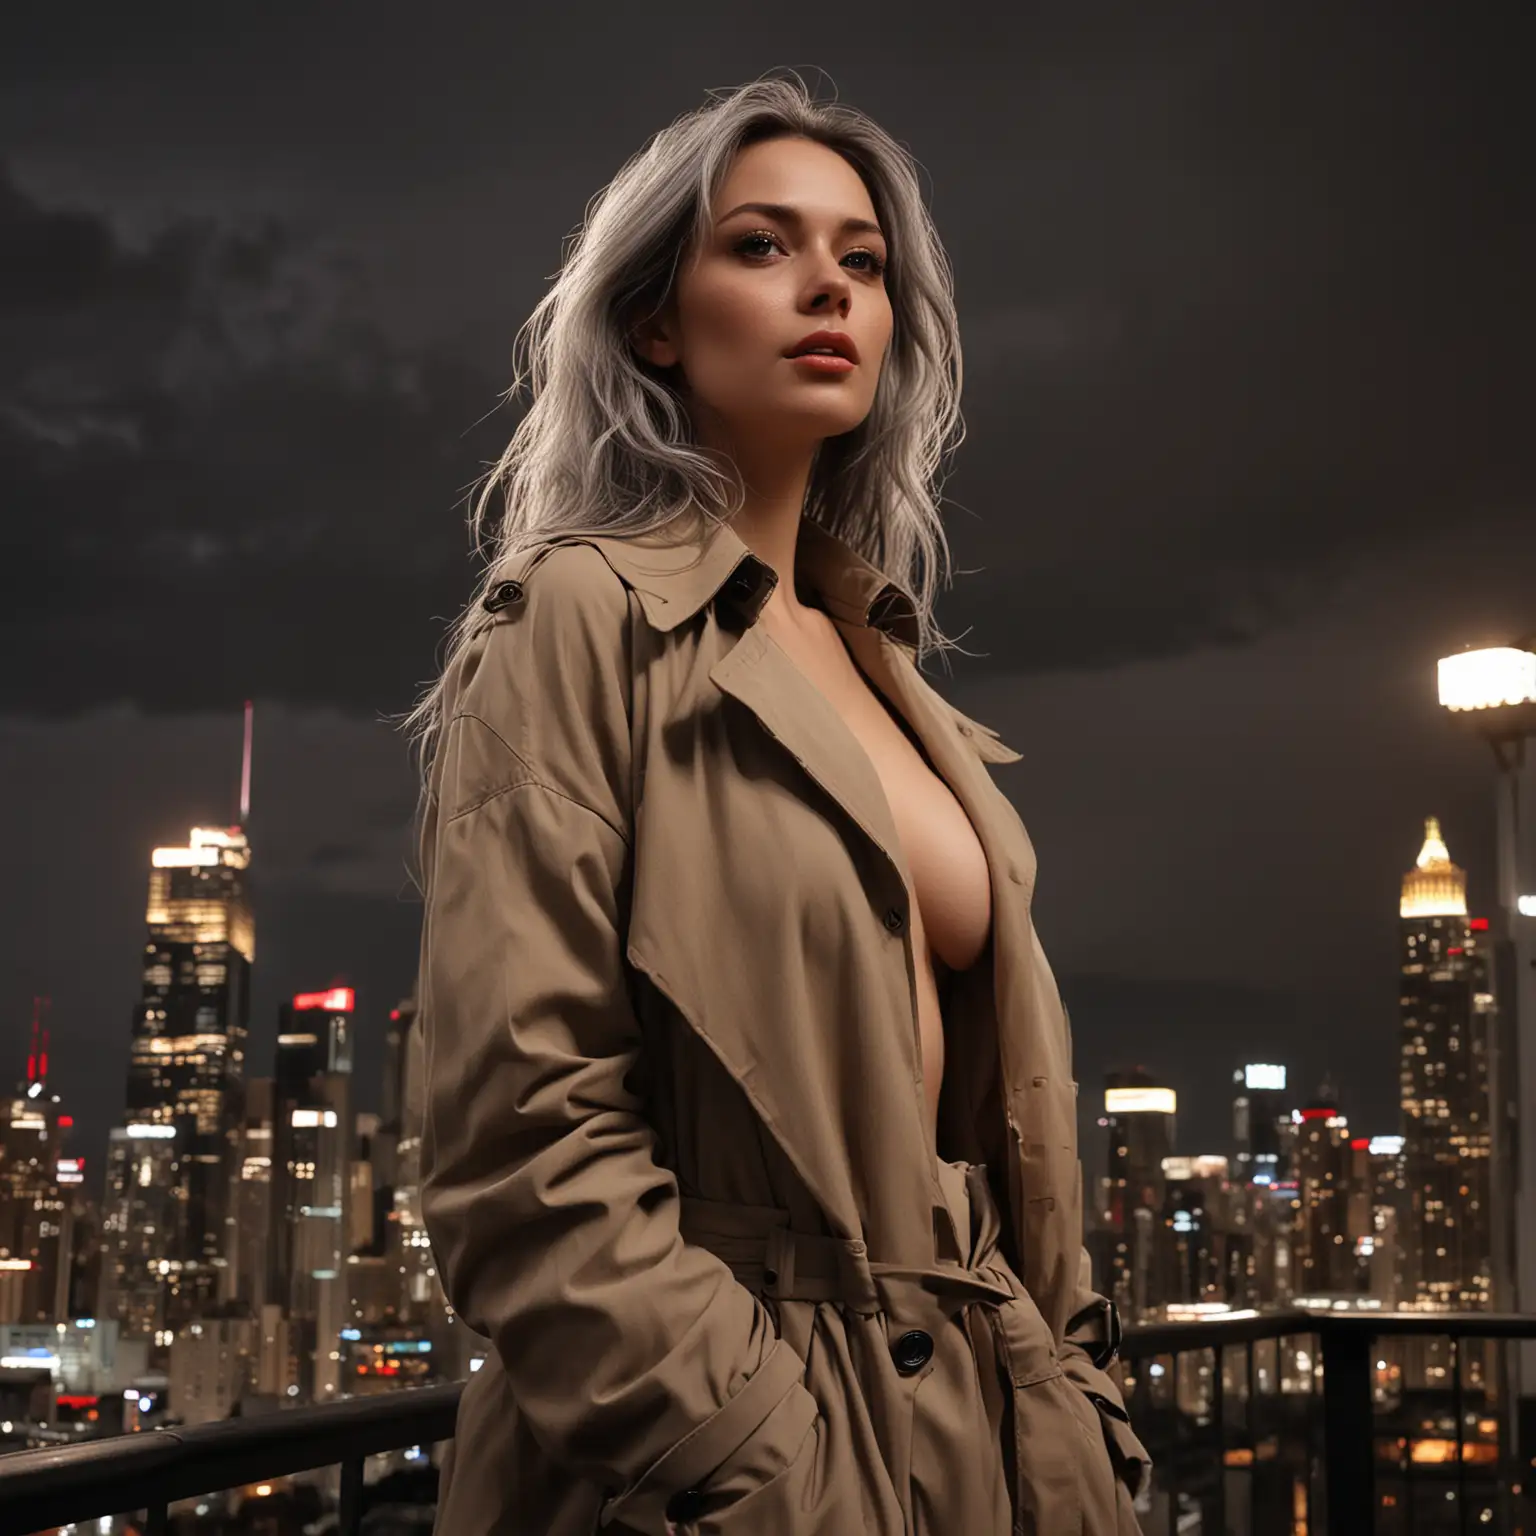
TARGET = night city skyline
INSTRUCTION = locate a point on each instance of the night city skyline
(1244, 297)
(1246, 452)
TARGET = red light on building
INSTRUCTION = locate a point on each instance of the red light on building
(337, 1000)
(77, 1400)
(1478, 925)
(66, 1121)
(1360, 1144)
(1317, 1114)
(1453, 949)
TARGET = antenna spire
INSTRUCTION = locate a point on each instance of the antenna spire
(37, 1057)
(245, 767)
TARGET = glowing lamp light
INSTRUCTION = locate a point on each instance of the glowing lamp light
(1385, 1146)
(1488, 679)
(1140, 1101)
(1526, 906)
(337, 1000)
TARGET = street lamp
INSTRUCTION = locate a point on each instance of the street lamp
(1492, 691)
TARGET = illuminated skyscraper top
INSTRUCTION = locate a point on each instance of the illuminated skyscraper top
(197, 895)
(1434, 887)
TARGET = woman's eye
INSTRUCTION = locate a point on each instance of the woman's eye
(876, 265)
(753, 239)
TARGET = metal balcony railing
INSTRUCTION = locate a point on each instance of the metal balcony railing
(1343, 1424)
(1313, 1423)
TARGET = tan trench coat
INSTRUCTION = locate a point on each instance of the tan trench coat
(675, 1163)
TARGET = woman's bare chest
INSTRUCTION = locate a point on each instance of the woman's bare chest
(944, 857)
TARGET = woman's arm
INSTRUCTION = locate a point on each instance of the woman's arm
(640, 1362)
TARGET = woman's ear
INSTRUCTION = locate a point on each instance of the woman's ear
(650, 336)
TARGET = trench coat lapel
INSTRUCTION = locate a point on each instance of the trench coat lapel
(760, 675)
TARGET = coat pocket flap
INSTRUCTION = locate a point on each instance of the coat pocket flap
(642, 1506)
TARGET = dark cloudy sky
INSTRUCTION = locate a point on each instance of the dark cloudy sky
(1246, 299)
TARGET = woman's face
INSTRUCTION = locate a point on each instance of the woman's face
(762, 281)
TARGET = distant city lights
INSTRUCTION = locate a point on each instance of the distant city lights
(337, 1000)
(1138, 1101)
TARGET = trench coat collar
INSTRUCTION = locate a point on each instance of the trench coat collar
(676, 571)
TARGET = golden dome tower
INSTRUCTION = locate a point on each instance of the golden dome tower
(1434, 887)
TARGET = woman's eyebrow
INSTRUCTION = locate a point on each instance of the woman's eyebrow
(793, 216)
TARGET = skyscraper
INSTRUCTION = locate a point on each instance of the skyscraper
(1192, 1261)
(166, 1215)
(421, 1286)
(187, 1064)
(1260, 1124)
(252, 1198)
(1378, 1201)
(1324, 1256)
(1139, 1116)
(1447, 1016)
(311, 1166)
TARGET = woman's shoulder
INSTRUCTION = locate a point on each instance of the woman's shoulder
(542, 688)
(563, 574)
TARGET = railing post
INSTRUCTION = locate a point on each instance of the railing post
(1219, 1414)
(1348, 1428)
(349, 1515)
(1459, 1409)
(1173, 1459)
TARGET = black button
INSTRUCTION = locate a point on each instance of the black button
(685, 1506)
(895, 921)
(502, 594)
(912, 1351)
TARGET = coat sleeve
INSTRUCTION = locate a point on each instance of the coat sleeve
(639, 1361)
(1088, 1333)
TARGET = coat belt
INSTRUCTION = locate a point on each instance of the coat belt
(772, 1259)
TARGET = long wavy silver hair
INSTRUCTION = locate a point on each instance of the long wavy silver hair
(606, 445)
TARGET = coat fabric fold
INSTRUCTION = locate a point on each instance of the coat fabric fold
(675, 1162)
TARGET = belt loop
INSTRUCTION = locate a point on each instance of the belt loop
(977, 1187)
(779, 1262)
(855, 1280)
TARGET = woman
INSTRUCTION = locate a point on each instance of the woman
(750, 1140)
